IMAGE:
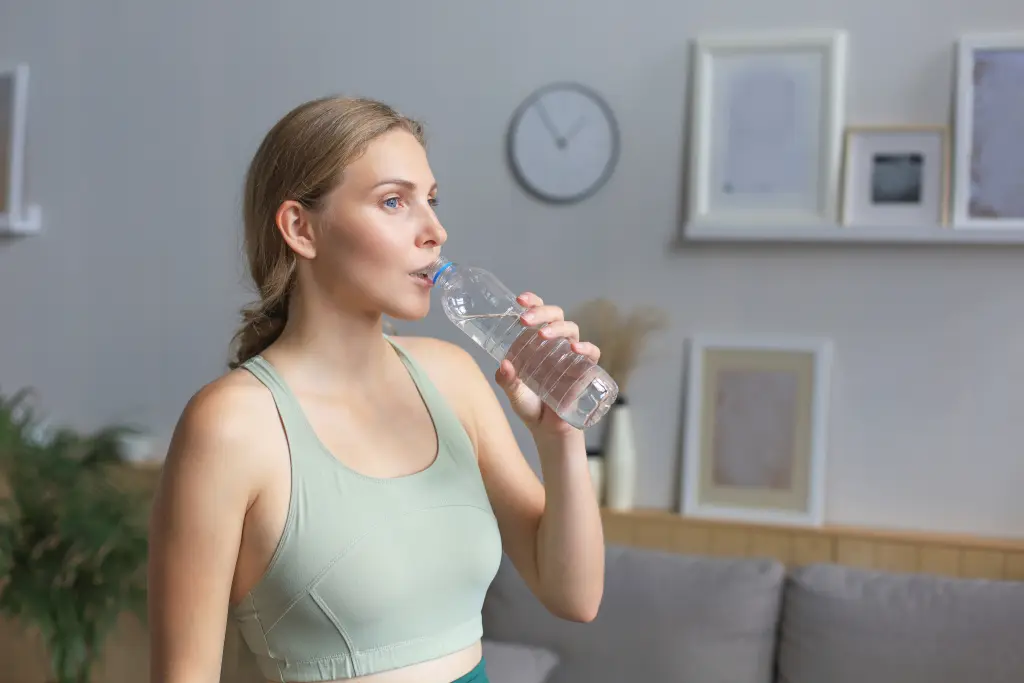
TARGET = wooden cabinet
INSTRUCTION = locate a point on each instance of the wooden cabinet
(942, 554)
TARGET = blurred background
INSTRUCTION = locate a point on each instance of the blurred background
(142, 118)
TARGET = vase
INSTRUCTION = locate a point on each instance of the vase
(620, 458)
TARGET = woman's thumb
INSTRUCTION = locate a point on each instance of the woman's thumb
(509, 382)
(505, 375)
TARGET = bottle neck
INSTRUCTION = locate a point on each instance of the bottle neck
(441, 270)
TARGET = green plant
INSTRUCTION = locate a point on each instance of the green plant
(73, 543)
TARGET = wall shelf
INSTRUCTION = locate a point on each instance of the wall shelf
(29, 223)
(16, 216)
(895, 235)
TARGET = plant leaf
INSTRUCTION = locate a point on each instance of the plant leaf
(73, 544)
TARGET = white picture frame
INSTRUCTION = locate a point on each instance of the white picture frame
(781, 143)
(896, 176)
(989, 132)
(768, 393)
(16, 217)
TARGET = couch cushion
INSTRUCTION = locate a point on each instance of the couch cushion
(848, 625)
(664, 617)
(517, 663)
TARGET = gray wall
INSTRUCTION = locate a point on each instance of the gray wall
(143, 116)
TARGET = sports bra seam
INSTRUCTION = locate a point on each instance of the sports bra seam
(311, 585)
(263, 632)
(380, 648)
(333, 618)
(288, 529)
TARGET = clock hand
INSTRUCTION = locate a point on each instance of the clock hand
(549, 124)
(576, 128)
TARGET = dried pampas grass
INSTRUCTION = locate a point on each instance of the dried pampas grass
(620, 337)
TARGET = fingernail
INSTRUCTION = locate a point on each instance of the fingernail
(527, 317)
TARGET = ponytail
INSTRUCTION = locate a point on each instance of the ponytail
(262, 325)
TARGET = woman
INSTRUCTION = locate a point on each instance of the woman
(342, 496)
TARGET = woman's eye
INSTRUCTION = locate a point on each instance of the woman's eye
(391, 202)
(433, 201)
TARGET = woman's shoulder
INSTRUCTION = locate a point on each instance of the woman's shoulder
(227, 407)
(224, 428)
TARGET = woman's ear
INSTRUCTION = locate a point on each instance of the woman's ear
(297, 228)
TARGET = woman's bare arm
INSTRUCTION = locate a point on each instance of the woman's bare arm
(195, 531)
(551, 531)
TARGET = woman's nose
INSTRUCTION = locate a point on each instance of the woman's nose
(433, 233)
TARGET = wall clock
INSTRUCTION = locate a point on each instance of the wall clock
(563, 143)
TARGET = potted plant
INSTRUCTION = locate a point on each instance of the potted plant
(73, 542)
(622, 338)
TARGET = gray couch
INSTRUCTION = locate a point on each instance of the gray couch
(687, 619)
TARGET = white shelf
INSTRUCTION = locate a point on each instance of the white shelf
(898, 234)
(29, 223)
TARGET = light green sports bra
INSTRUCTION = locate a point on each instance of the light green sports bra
(371, 574)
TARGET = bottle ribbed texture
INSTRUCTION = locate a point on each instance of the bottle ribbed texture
(572, 385)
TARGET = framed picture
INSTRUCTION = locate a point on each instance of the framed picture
(15, 216)
(766, 129)
(896, 176)
(989, 157)
(755, 439)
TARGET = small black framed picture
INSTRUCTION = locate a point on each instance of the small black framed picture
(896, 175)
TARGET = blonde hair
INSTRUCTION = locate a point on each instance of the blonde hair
(301, 158)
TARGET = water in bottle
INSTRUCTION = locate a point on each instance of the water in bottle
(572, 385)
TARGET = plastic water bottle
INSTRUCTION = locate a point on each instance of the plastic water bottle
(572, 385)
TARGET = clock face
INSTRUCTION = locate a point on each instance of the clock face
(563, 143)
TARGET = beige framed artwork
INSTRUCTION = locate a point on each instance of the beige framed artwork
(756, 429)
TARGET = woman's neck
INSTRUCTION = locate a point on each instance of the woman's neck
(325, 346)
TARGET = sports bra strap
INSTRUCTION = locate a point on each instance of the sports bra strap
(445, 420)
(293, 419)
(419, 375)
(301, 436)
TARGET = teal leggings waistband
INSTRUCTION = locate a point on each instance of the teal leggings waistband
(477, 675)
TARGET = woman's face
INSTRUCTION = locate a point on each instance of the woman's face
(378, 228)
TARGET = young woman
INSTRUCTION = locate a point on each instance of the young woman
(341, 495)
